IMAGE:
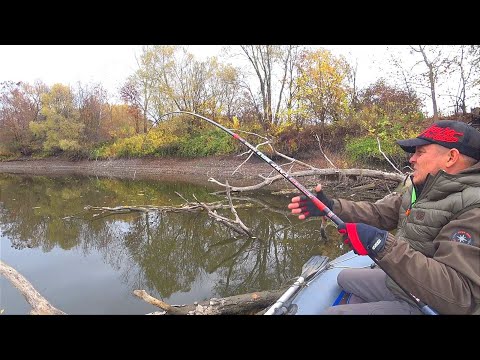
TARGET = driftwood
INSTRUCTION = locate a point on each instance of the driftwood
(245, 304)
(398, 176)
(377, 174)
(40, 306)
(237, 224)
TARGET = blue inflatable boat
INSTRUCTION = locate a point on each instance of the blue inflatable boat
(317, 288)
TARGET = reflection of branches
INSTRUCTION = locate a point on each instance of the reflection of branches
(188, 207)
(236, 224)
(262, 204)
(233, 256)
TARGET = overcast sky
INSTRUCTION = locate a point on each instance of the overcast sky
(109, 64)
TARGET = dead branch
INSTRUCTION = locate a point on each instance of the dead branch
(385, 156)
(40, 305)
(377, 174)
(171, 310)
(187, 207)
(244, 304)
(237, 225)
(325, 156)
(237, 218)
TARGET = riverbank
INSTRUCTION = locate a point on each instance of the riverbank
(192, 170)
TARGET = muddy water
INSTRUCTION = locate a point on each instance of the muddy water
(88, 261)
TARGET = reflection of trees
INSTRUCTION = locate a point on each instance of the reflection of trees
(277, 254)
(161, 252)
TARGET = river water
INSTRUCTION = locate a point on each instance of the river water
(86, 261)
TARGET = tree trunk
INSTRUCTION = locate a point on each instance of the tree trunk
(244, 304)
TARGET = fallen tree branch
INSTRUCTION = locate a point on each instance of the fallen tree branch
(188, 207)
(244, 304)
(237, 225)
(323, 172)
(40, 305)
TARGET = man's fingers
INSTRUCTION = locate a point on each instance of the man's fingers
(293, 205)
(297, 211)
(318, 188)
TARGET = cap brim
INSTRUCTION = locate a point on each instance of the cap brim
(410, 144)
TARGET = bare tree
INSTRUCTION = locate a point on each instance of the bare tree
(464, 66)
(437, 64)
(266, 60)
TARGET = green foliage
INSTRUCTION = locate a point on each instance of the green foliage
(364, 147)
(365, 150)
(6, 154)
(211, 142)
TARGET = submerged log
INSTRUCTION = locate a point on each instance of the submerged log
(244, 304)
(40, 305)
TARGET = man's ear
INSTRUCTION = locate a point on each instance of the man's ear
(453, 157)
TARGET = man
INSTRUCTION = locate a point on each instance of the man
(435, 252)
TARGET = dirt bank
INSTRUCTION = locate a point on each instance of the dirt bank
(192, 170)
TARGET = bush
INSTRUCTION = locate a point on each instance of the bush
(211, 142)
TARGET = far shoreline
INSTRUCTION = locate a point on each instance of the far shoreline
(196, 170)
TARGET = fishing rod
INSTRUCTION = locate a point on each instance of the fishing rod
(320, 205)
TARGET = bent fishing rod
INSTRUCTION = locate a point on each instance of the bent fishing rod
(320, 205)
(335, 219)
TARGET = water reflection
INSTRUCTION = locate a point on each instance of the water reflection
(180, 257)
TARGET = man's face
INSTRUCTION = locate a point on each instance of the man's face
(427, 159)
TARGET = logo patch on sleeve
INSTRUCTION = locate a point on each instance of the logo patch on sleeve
(462, 236)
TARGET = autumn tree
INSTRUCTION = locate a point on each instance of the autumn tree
(18, 107)
(62, 129)
(388, 99)
(121, 122)
(435, 63)
(225, 89)
(322, 86)
(290, 58)
(169, 78)
(474, 52)
(92, 103)
(130, 94)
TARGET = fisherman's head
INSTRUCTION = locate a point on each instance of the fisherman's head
(447, 145)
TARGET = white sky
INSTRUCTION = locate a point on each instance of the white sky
(110, 65)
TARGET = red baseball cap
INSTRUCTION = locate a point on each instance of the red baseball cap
(450, 134)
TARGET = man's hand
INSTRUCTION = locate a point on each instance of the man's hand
(364, 239)
(303, 206)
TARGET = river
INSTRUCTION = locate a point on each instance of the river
(88, 262)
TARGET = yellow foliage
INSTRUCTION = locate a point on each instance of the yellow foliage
(236, 123)
(322, 89)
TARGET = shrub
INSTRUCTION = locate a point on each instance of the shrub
(211, 142)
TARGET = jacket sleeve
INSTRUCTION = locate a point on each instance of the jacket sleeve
(450, 281)
(382, 214)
